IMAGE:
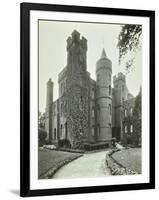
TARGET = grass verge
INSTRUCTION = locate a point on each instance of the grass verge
(49, 161)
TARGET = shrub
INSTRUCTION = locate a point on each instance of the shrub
(42, 134)
(64, 143)
(90, 147)
(71, 150)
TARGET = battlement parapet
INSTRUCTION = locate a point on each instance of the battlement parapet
(75, 38)
(119, 76)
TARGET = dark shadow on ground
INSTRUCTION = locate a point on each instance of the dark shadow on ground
(15, 192)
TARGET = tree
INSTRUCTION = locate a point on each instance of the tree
(41, 120)
(128, 41)
(137, 120)
(42, 134)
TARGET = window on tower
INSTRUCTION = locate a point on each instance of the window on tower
(131, 129)
(61, 130)
(125, 113)
(109, 90)
(110, 109)
(93, 111)
(98, 110)
(125, 129)
(61, 108)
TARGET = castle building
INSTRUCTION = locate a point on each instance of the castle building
(87, 110)
(132, 121)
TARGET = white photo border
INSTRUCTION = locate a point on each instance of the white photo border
(36, 183)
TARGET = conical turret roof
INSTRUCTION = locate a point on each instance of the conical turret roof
(103, 61)
(103, 55)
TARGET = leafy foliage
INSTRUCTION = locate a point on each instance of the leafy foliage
(42, 136)
(137, 120)
(64, 143)
(128, 41)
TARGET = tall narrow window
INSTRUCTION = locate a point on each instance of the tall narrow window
(109, 90)
(98, 110)
(125, 129)
(110, 109)
(125, 113)
(54, 133)
(93, 93)
(61, 130)
(98, 130)
(81, 99)
(131, 128)
(131, 111)
(61, 108)
(93, 111)
(93, 131)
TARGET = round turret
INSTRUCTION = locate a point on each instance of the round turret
(104, 98)
(103, 62)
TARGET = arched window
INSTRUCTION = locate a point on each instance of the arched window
(109, 90)
(131, 128)
(93, 111)
(125, 113)
(125, 129)
(92, 130)
(110, 109)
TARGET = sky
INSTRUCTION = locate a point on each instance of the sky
(53, 54)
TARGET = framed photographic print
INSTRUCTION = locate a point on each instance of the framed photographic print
(87, 99)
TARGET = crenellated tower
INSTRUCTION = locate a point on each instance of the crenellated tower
(120, 94)
(77, 89)
(76, 59)
(104, 98)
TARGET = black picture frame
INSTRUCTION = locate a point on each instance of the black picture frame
(25, 9)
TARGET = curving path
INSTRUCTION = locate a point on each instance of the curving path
(89, 165)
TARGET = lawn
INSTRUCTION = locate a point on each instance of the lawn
(48, 159)
(130, 158)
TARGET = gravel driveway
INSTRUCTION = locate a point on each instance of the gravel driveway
(89, 165)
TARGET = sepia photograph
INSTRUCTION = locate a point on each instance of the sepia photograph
(89, 99)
